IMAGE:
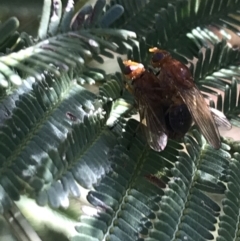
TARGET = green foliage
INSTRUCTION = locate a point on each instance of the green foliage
(77, 154)
(67, 47)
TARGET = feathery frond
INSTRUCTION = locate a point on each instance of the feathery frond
(228, 227)
(59, 141)
(63, 50)
(48, 129)
(133, 199)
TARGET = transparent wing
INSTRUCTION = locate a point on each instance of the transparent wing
(201, 114)
(220, 119)
(153, 124)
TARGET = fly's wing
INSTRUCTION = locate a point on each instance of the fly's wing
(201, 114)
(142, 85)
(177, 75)
(153, 124)
(220, 119)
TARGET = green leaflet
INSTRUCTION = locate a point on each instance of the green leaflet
(45, 133)
(228, 227)
(174, 24)
(65, 42)
(59, 140)
(132, 192)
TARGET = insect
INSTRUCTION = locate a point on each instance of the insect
(169, 101)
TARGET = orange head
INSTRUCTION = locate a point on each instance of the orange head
(159, 56)
(132, 69)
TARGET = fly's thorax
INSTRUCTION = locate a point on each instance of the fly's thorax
(176, 74)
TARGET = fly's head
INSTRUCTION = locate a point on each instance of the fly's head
(132, 71)
(159, 56)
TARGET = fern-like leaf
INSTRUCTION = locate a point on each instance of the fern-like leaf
(228, 227)
(32, 61)
(36, 167)
(61, 142)
(140, 205)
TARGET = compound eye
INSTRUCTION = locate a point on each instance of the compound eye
(157, 57)
(127, 70)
